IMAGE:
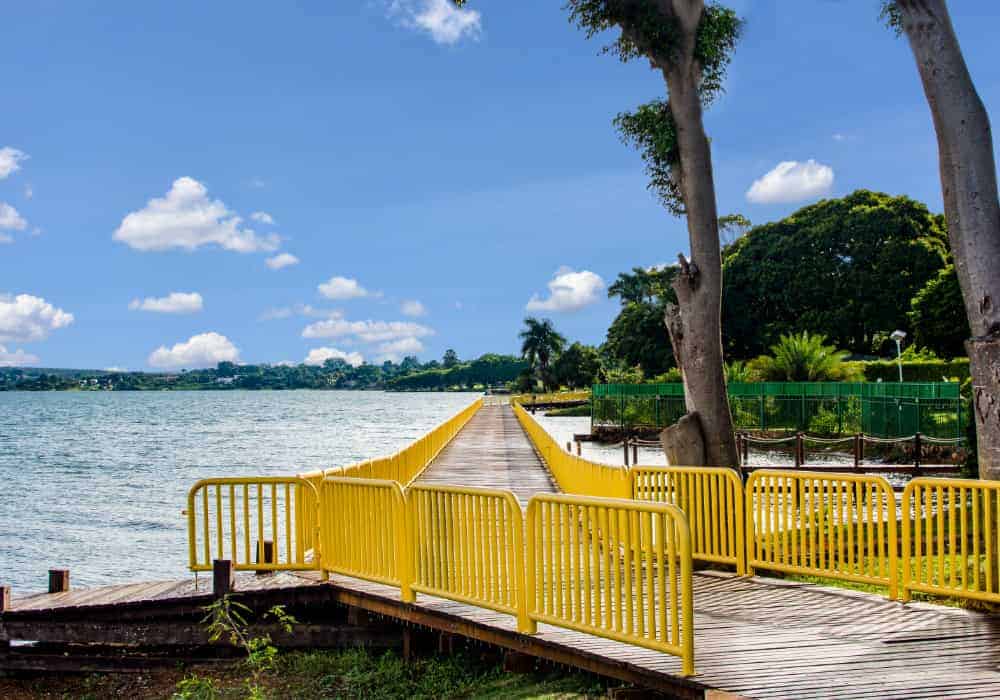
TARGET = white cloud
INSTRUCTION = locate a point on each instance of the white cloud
(446, 23)
(10, 161)
(839, 137)
(262, 217)
(10, 219)
(413, 308)
(281, 260)
(569, 291)
(173, 303)
(318, 356)
(202, 350)
(26, 318)
(308, 310)
(29, 191)
(187, 219)
(792, 181)
(340, 288)
(396, 350)
(16, 358)
(4, 238)
(367, 331)
(116, 369)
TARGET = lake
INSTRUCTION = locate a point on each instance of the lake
(96, 481)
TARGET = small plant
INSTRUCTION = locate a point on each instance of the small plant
(803, 357)
(194, 687)
(227, 618)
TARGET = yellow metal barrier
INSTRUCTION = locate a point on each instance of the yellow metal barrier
(839, 526)
(468, 545)
(574, 474)
(362, 528)
(712, 500)
(556, 397)
(407, 464)
(951, 538)
(232, 518)
(614, 568)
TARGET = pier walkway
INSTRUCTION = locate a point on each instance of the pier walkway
(493, 452)
(589, 578)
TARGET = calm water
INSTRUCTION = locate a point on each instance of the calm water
(96, 482)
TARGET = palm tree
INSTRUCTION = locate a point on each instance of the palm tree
(803, 357)
(540, 343)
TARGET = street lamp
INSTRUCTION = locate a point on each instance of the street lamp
(899, 336)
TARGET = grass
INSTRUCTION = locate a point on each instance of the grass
(315, 675)
(569, 412)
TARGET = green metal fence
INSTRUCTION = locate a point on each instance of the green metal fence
(879, 409)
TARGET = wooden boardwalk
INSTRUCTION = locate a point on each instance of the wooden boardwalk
(754, 637)
(493, 452)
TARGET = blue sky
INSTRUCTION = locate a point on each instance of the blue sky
(402, 153)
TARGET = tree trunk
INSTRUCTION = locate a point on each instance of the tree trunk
(683, 442)
(971, 206)
(695, 323)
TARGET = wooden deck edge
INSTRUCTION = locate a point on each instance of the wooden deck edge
(515, 641)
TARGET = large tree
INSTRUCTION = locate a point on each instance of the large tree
(690, 44)
(637, 337)
(540, 344)
(845, 268)
(971, 204)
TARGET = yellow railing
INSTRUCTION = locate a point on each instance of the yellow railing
(712, 500)
(840, 526)
(407, 464)
(951, 538)
(556, 397)
(363, 531)
(468, 545)
(614, 568)
(258, 523)
(571, 473)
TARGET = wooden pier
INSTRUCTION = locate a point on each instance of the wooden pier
(754, 636)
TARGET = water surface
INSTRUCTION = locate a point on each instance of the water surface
(96, 481)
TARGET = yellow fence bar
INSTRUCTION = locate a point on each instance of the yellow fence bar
(840, 526)
(407, 464)
(571, 473)
(712, 500)
(951, 538)
(614, 568)
(468, 545)
(233, 518)
(362, 528)
(556, 397)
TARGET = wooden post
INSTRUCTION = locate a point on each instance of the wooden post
(635, 453)
(857, 452)
(625, 445)
(223, 578)
(917, 443)
(799, 452)
(58, 580)
(569, 447)
(746, 448)
(4, 607)
(265, 547)
(579, 448)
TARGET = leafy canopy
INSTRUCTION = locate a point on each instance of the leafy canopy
(645, 31)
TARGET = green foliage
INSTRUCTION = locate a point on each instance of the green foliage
(450, 359)
(740, 371)
(227, 619)
(577, 366)
(801, 358)
(638, 336)
(621, 375)
(915, 371)
(195, 687)
(937, 315)
(651, 130)
(540, 343)
(846, 268)
(890, 16)
(648, 32)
